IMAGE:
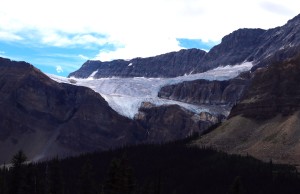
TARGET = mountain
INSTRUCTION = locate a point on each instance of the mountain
(256, 45)
(46, 118)
(265, 115)
(265, 123)
(166, 65)
(200, 92)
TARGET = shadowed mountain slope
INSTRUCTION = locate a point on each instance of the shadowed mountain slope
(265, 123)
(46, 118)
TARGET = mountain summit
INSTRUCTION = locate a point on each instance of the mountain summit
(254, 45)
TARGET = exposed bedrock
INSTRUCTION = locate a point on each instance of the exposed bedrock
(207, 92)
(169, 122)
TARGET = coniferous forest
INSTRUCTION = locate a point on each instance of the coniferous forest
(171, 168)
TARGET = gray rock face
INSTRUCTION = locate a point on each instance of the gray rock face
(207, 92)
(273, 90)
(255, 45)
(278, 43)
(166, 65)
(169, 122)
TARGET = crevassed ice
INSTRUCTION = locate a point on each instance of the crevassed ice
(125, 95)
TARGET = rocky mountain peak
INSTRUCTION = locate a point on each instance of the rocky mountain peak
(256, 45)
(165, 65)
(243, 35)
(295, 20)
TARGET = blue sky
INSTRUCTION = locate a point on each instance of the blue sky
(58, 36)
(196, 43)
(52, 58)
(64, 60)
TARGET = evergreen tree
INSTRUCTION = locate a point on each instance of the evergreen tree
(18, 173)
(120, 178)
(3, 180)
(31, 182)
(18, 160)
(237, 186)
(86, 181)
(148, 188)
(46, 181)
(56, 185)
(158, 185)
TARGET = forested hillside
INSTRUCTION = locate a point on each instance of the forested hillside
(150, 169)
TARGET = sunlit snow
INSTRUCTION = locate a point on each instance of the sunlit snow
(125, 95)
(93, 74)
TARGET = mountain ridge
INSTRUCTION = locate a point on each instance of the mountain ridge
(256, 45)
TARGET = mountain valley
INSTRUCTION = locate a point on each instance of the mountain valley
(248, 81)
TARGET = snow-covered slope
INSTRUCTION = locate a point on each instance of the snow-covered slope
(125, 95)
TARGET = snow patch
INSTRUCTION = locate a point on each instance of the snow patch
(92, 75)
(130, 64)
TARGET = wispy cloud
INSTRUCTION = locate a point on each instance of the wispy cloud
(7, 36)
(59, 69)
(83, 57)
(276, 8)
(133, 28)
(2, 54)
(60, 39)
(140, 46)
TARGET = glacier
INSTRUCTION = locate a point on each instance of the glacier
(125, 95)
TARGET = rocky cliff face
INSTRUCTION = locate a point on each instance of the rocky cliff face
(207, 92)
(273, 90)
(255, 45)
(234, 48)
(169, 122)
(45, 118)
(265, 123)
(165, 65)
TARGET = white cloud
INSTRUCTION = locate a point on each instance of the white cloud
(142, 27)
(275, 8)
(54, 38)
(2, 54)
(83, 57)
(140, 46)
(59, 69)
(7, 36)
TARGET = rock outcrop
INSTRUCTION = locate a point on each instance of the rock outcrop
(242, 45)
(273, 90)
(169, 122)
(206, 92)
